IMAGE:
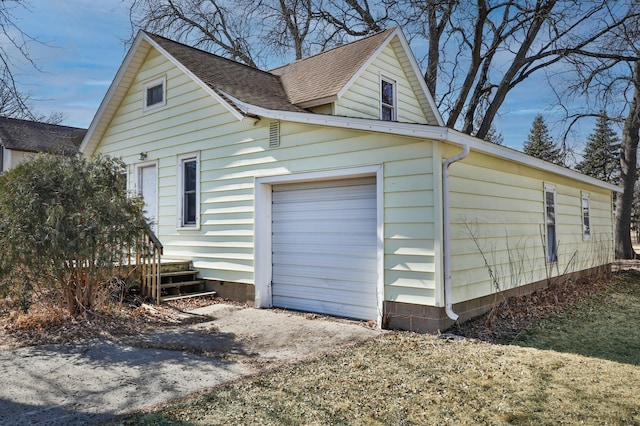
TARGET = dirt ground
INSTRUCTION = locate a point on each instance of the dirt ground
(94, 380)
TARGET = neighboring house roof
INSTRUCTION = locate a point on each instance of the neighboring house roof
(33, 136)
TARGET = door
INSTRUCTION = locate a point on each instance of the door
(148, 188)
(324, 244)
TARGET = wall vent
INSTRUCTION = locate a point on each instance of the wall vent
(274, 134)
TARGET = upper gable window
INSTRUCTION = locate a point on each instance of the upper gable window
(387, 99)
(155, 93)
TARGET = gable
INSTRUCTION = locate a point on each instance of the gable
(188, 110)
(362, 97)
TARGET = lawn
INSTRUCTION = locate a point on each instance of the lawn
(579, 367)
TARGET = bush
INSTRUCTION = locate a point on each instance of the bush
(64, 222)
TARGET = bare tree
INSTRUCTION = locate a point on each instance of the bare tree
(606, 73)
(14, 102)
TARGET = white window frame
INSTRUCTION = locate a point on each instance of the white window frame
(162, 81)
(394, 106)
(586, 216)
(551, 224)
(182, 159)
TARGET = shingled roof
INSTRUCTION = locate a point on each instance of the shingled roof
(33, 136)
(323, 75)
(228, 77)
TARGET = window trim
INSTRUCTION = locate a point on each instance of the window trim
(394, 106)
(551, 239)
(586, 215)
(182, 159)
(162, 81)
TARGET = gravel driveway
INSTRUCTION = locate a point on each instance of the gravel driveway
(94, 381)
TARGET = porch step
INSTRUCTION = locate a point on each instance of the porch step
(179, 280)
(185, 296)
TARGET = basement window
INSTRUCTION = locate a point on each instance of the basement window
(155, 93)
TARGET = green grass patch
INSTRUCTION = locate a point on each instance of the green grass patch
(607, 325)
(580, 368)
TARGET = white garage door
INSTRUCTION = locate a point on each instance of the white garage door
(325, 247)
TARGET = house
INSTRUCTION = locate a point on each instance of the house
(22, 139)
(331, 185)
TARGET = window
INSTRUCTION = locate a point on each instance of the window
(1, 158)
(189, 191)
(154, 94)
(388, 99)
(586, 224)
(550, 221)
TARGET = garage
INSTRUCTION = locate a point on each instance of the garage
(324, 247)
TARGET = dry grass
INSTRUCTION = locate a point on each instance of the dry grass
(405, 378)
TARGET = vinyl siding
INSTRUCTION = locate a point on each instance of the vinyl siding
(362, 99)
(234, 153)
(497, 211)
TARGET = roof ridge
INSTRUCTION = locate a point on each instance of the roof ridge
(206, 52)
(334, 48)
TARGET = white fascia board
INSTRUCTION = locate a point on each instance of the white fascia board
(113, 88)
(199, 82)
(416, 71)
(438, 133)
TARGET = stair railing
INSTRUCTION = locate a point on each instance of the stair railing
(148, 257)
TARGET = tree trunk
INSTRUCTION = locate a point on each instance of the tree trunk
(628, 173)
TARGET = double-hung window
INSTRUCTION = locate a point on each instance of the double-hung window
(387, 99)
(189, 191)
(550, 223)
(586, 222)
(155, 93)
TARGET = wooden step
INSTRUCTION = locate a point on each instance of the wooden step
(181, 284)
(185, 296)
(171, 265)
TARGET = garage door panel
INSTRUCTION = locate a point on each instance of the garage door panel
(325, 247)
(326, 212)
(322, 272)
(312, 239)
(291, 284)
(329, 308)
(330, 228)
(355, 250)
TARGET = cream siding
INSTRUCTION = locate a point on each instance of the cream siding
(362, 99)
(234, 153)
(498, 214)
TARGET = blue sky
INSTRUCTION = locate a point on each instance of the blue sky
(82, 48)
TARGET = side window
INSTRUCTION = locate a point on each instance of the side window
(1, 158)
(189, 191)
(155, 93)
(586, 224)
(387, 99)
(550, 223)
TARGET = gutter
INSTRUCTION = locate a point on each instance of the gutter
(447, 230)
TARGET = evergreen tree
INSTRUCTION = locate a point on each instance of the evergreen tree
(601, 156)
(540, 145)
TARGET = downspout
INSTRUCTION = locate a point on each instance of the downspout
(447, 231)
